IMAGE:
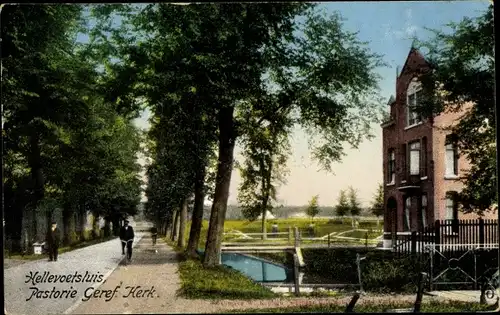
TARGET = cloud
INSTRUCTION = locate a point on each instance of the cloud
(409, 30)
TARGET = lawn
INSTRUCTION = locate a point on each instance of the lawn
(322, 227)
(219, 282)
(430, 307)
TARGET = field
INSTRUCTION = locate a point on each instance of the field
(322, 227)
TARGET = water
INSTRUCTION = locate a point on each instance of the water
(255, 268)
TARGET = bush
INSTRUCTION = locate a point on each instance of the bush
(381, 271)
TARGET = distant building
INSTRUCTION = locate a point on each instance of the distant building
(422, 166)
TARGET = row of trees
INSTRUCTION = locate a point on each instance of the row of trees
(349, 204)
(247, 73)
(216, 75)
(68, 140)
(213, 75)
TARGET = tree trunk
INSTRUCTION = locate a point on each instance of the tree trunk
(95, 226)
(197, 217)
(227, 137)
(266, 185)
(181, 243)
(106, 227)
(175, 224)
(37, 177)
(66, 217)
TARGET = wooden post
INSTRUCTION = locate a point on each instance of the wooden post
(420, 292)
(352, 303)
(296, 237)
(358, 263)
(413, 242)
(481, 231)
(289, 234)
(296, 278)
(366, 239)
(328, 240)
(437, 241)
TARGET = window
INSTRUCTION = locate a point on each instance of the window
(451, 159)
(452, 210)
(424, 210)
(423, 170)
(415, 158)
(407, 213)
(391, 167)
(414, 96)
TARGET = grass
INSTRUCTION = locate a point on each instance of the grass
(430, 307)
(321, 227)
(62, 250)
(220, 282)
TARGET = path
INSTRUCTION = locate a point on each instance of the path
(89, 263)
(156, 271)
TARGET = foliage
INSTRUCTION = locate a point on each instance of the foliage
(354, 204)
(218, 282)
(254, 61)
(378, 206)
(382, 271)
(266, 150)
(342, 208)
(313, 209)
(463, 72)
(67, 144)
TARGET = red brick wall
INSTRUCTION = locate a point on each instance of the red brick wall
(435, 186)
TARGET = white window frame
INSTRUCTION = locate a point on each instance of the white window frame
(412, 118)
(450, 207)
(451, 170)
(424, 210)
(392, 163)
(407, 213)
(415, 149)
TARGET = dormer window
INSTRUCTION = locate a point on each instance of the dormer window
(413, 100)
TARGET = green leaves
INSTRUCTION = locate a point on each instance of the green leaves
(463, 73)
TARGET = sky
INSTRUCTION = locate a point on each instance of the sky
(389, 27)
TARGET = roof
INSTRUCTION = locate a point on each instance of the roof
(413, 52)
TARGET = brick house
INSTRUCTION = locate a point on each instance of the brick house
(421, 164)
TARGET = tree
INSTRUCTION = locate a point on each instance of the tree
(312, 209)
(354, 204)
(232, 56)
(59, 127)
(462, 72)
(266, 150)
(377, 206)
(342, 208)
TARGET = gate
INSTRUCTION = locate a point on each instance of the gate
(461, 266)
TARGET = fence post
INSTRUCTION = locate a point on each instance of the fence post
(366, 239)
(437, 240)
(296, 278)
(289, 234)
(328, 240)
(481, 231)
(296, 237)
(413, 242)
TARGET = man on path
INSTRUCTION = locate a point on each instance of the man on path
(53, 240)
(127, 236)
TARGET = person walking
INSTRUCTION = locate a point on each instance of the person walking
(53, 241)
(127, 237)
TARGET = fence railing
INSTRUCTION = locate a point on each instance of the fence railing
(294, 237)
(448, 233)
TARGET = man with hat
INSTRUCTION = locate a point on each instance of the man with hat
(53, 241)
(127, 237)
